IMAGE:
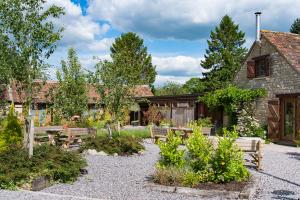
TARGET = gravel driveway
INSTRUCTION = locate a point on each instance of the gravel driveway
(123, 178)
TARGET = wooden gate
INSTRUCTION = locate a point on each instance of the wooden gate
(273, 119)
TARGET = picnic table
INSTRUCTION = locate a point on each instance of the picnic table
(186, 132)
(53, 134)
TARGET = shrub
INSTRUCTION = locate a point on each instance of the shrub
(202, 122)
(12, 130)
(228, 163)
(200, 150)
(123, 145)
(169, 152)
(168, 176)
(16, 169)
(192, 179)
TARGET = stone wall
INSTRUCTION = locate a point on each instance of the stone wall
(283, 77)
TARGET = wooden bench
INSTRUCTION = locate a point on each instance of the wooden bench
(76, 135)
(250, 145)
(158, 133)
(206, 131)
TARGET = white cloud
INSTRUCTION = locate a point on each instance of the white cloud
(178, 66)
(101, 45)
(79, 29)
(177, 69)
(191, 19)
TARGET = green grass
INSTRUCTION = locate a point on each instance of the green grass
(139, 133)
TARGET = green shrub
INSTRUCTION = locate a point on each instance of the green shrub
(228, 161)
(200, 150)
(169, 176)
(202, 122)
(170, 154)
(122, 145)
(192, 179)
(12, 130)
(17, 169)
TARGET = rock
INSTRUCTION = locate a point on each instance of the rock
(115, 154)
(141, 152)
(102, 153)
(83, 171)
(92, 152)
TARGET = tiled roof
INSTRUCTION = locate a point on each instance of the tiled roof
(287, 44)
(41, 93)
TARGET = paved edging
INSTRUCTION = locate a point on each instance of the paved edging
(244, 194)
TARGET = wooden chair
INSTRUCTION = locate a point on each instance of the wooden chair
(250, 145)
(158, 133)
(206, 131)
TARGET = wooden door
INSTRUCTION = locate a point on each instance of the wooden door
(273, 119)
(289, 119)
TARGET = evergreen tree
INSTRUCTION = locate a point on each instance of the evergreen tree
(224, 54)
(71, 96)
(129, 50)
(295, 28)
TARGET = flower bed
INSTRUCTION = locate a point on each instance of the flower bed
(201, 165)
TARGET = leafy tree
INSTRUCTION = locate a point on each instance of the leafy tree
(194, 85)
(71, 96)
(131, 66)
(170, 88)
(295, 28)
(224, 54)
(27, 38)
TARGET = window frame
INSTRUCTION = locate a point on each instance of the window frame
(265, 60)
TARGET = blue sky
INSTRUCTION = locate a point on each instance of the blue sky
(175, 32)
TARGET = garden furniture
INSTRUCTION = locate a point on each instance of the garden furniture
(158, 133)
(250, 145)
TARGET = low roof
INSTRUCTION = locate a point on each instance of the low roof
(287, 44)
(41, 93)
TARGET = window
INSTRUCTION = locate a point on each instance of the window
(258, 67)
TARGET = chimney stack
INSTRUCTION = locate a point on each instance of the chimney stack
(257, 14)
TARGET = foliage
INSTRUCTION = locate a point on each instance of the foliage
(71, 96)
(170, 88)
(138, 133)
(248, 125)
(166, 122)
(29, 37)
(295, 28)
(228, 163)
(194, 85)
(59, 165)
(152, 115)
(231, 99)
(12, 131)
(122, 145)
(200, 150)
(117, 80)
(202, 162)
(172, 176)
(224, 54)
(202, 122)
(170, 154)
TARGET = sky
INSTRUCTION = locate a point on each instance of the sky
(174, 31)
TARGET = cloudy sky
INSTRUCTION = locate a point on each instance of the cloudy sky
(175, 31)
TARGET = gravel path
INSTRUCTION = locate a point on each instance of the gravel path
(123, 178)
(280, 178)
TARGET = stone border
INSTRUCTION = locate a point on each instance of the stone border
(247, 193)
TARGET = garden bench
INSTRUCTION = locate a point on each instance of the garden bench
(75, 136)
(158, 133)
(250, 145)
(206, 131)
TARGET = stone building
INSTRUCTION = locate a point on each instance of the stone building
(273, 63)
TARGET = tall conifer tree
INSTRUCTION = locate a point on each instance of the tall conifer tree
(224, 54)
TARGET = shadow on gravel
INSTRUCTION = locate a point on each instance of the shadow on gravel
(282, 179)
(294, 155)
(283, 194)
